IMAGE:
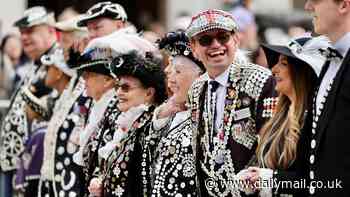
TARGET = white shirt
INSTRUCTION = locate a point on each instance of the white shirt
(342, 45)
(220, 96)
(179, 118)
(96, 115)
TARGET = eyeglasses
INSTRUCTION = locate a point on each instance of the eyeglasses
(124, 87)
(207, 40)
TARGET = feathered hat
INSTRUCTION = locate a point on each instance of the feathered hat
(306, 49)
(177, 43)
(100, 52)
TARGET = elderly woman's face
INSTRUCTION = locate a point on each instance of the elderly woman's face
(131, 93)
(168, 70)
(283, 76)
(183, 73)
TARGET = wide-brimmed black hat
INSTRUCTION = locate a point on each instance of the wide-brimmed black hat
(95, 60)
(147, 69)
(37, 15)
(100, 52)
(304, 49)
(104, 9)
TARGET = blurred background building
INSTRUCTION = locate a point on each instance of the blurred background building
(143, 13)
(272, 21)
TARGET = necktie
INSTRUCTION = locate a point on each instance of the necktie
(214, 86)
(332, 55)
(324, 69)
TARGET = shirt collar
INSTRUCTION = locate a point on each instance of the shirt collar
(222, 78)
(342, 45)
(106, 96)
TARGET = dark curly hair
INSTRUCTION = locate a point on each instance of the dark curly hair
(177, 43)
(146, 69)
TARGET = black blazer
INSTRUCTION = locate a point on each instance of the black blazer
(331, 165)
(294, 179)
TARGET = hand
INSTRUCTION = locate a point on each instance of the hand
(81, 44)
(95, 188)
(259, 175)
(169, 108)
(254, 174)
(246, 185)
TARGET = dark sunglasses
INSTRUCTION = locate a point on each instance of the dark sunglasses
(207, 40)
(124, 87)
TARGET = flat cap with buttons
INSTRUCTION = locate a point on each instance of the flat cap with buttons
(211, 19)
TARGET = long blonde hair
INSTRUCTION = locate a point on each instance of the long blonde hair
(280, 135)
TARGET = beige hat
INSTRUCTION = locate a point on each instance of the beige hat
(37, 15)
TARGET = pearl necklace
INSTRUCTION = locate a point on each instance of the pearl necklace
(221, 167)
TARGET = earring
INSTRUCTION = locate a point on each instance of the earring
(59, 76)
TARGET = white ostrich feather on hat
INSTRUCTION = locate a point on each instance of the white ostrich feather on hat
(122, 42)
(310, 51)
(313, 45)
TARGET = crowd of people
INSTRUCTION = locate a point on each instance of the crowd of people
(100, 110)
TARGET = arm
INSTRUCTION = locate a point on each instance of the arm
(294, 178)
(95, 187)
(161, 117)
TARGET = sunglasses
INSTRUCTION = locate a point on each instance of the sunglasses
(207, 40)
(124, 87)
